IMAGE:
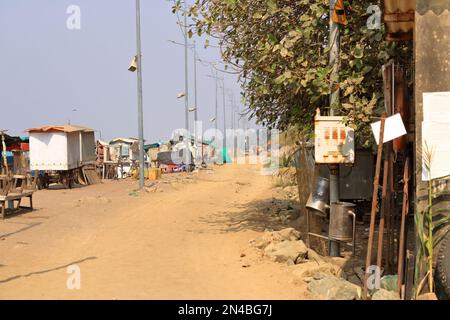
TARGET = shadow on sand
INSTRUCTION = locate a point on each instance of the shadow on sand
(46, 270)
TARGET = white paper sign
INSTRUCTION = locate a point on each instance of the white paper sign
(436, 107)
(436, 139)
(393, 128)
(436, 134)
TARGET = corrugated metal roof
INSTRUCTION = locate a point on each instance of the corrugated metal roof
(437, 6)
(125, 140)
(103, 143)
(68, 128)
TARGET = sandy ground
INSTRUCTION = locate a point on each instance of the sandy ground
(185, 238)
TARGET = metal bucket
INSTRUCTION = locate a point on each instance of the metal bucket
(319, 199)
(342, 221)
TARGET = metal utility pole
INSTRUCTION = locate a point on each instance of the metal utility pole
(224, 151)
(196, 100)
(140, 99)
(232, 112)
(334, 100)
(186, 72)
(215, 76)
(217, 106)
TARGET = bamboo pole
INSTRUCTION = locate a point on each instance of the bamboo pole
(405, 211)
(380, 246)
(374, 205)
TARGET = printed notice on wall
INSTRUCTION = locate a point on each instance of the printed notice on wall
(436, 135)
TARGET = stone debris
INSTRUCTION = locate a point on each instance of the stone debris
(389, 283)
(355, 275)
(290, 252)
(306, 271)
(383, 294)
(289, 234)
(330, 287)
(315, 257)
(325, 276)
(291, 192)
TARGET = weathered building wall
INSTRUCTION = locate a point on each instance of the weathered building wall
(432, 60)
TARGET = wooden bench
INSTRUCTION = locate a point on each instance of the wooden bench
(15, 188)
(15, 197)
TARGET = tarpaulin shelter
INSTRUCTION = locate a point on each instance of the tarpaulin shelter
(225, 157)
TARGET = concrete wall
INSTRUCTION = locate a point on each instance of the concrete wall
(432, 59)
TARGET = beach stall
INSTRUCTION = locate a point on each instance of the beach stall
(58, 152)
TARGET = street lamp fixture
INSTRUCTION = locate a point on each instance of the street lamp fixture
(181, 95)
(133, 64)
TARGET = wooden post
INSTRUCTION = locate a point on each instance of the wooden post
(402, 236)
(374, 205)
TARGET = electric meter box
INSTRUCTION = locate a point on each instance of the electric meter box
(334, 141)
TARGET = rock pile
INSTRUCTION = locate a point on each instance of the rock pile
(328, 278)
(323, 275)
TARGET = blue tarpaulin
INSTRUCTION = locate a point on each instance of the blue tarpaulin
(225, 156)
(9, 158)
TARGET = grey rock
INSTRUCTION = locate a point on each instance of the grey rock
(306, 271)
(314, 256)
(389, 283)
(333, 288)
(383, 294)
(286, 251)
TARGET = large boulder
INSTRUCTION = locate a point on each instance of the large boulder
(330, 287)
(305, 271)
(288, 234)
(286, 251)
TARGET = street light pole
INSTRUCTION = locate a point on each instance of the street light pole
(215, 76)
(196, 101)
(186, 71)
(224, 150)
(140, 98)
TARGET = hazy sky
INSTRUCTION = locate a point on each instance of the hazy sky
(47, 70)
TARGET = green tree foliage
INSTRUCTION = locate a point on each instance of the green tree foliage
(280, 49)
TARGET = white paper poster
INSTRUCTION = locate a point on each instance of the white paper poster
(436, 134)
(436, 107)
(393, 129)
(436, 140)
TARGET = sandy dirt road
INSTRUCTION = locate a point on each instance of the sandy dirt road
(186, 238)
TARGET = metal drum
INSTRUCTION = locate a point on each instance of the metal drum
(342, 221)
(319, 199)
